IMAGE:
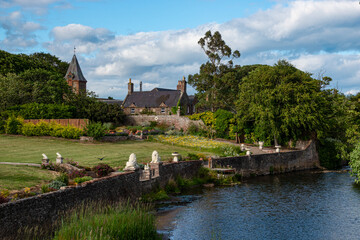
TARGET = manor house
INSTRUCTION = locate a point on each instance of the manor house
(159, 101)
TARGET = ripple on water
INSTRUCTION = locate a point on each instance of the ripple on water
(301, 205)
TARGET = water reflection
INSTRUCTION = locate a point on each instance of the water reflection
(291, 206)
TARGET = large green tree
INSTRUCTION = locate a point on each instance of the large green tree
(282, 103)
(209, 82)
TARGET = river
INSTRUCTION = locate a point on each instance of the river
(302, 205)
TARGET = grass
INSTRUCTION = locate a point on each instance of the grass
(98, 221)
(121, 221)
(19, 177)
(23, 149)
(29, 149)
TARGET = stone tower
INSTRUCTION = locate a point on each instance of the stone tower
(182, 85)
(74, 77)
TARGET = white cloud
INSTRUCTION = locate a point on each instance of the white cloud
(19, 34)
(316, 36)
(81, 33)
(39, 7)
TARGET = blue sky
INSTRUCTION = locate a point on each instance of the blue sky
(156, 41)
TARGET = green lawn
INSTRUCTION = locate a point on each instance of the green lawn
(29, 149)
(19, 177)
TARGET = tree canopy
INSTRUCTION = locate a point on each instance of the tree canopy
(209, 82)
(281, 102)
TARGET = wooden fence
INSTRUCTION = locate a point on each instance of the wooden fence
(79, 123)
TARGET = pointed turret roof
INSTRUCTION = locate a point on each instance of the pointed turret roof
(75, 70)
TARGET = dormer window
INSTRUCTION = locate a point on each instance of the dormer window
(132, 110)
(162, 110)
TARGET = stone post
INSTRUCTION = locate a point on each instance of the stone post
(177, 156)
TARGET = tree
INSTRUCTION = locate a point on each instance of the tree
(281, 103)
(87, 106)
(355, 163)
(208, 82)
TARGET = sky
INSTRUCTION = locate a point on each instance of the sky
(156, 41)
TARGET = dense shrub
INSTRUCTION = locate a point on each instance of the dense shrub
(43, 111)
(13, 125)
(102, 170)
(56, 184)
(45, 188)
(77, 174)
(51, 129)
(96, 130)
(63, 178)
(79, 180)
(71, 132)
(331, 153)
(222, 123)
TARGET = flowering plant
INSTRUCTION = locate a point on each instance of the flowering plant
(102, 170)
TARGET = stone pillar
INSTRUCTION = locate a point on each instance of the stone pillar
(177, 157)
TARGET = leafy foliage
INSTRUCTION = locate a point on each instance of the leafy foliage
(281, 103)
(51, 129)
(209, 82)
(79, 180)
(77, 174)
(56, 184)
(88, 107)
(96, 130)
(355, 163)
(223, 120)
(63, 178)
(42, 111)
(13, 125)
(102, 170)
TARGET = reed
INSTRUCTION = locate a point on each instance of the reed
(109, 221)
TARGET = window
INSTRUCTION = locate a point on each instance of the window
(162, 110)
(132, 110)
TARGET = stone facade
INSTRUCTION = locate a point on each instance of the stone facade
(171, 120)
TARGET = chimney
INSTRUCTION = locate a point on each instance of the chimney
(140, 86)
(182, 85)
(130, 87)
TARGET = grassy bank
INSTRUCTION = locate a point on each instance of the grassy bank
(29, 149)
(102, 222)
(19, 177)
(98, 221)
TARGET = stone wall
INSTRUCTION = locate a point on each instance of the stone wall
(264, 164)
(171, 120)
(44, 208)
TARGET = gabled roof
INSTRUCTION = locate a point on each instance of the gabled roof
(153, 98)
(75, 70)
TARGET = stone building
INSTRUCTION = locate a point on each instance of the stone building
(74, 76)
(159, 101)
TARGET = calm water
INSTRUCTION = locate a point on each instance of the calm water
(306, 205)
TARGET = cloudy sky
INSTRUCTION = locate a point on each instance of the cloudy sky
(156, 41)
